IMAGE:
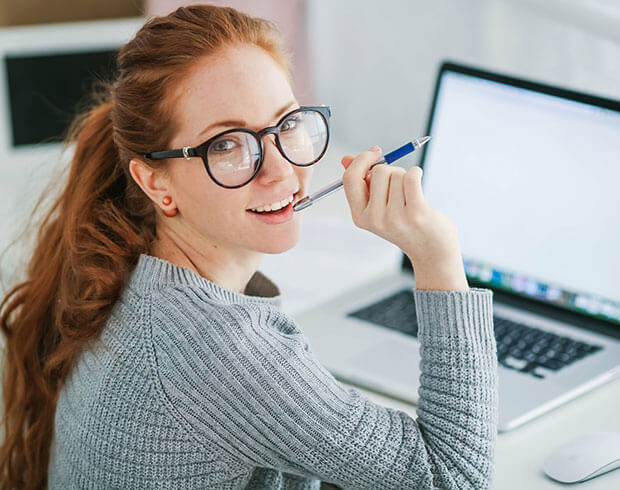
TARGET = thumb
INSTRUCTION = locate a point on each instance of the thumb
(346, 161)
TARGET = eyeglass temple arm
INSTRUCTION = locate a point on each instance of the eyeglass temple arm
(186, 152)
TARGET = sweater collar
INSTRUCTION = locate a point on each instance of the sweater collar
(151, 272)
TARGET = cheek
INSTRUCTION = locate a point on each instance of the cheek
(304, 174)
(214, 213)
(198, 197)
(191, 186)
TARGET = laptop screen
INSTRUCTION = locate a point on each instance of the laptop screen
(530, 175)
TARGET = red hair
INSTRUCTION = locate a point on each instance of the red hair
(90, 239)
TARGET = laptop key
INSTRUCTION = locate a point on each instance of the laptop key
(512, 363)
(552, 364)
(530, 369)
(536, 348)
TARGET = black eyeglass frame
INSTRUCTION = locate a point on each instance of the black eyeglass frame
(202, 150)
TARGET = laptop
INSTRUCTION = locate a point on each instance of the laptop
(529, 173)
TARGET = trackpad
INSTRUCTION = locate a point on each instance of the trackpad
(390, 362)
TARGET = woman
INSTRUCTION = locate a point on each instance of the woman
(145, 350)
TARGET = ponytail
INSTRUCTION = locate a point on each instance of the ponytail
(91, 238)
(86, 248)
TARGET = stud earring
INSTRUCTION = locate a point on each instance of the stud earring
(168, 212)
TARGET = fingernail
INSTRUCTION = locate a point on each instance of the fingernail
(375, 148)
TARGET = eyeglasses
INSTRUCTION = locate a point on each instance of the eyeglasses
(234, 157)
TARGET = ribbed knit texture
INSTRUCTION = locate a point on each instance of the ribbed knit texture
(193, 386)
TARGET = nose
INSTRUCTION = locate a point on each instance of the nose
(275, 167)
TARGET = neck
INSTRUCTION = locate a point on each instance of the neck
(231, 268)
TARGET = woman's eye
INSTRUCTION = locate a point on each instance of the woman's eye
(223, 145)
(290, 123)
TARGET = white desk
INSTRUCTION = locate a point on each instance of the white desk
(334, 254)
(521, 452)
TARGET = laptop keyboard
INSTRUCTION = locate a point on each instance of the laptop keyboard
(396, 311)
(519, 347)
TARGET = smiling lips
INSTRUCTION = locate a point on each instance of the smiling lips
(273, 207)
(276, 205)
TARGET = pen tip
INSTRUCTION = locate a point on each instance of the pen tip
(424, 140)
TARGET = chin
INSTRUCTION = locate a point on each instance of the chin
(277, 250)
(277, 245)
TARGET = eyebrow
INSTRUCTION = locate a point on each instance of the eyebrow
(242, 124)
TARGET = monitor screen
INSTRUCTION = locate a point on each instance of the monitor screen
(44, 91)
(530, 179)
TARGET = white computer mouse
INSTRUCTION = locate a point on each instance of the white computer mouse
(584, 457)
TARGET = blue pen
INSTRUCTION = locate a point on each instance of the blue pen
(387, 159)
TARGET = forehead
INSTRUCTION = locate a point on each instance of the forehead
(238, 82)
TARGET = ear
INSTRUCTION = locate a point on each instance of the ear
(153, 182)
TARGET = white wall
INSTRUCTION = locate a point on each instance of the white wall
(375, 62)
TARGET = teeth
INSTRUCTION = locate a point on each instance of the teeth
(273, 207)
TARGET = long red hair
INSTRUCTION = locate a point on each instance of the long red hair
(90, 238)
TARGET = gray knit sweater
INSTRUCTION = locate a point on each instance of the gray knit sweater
(192, 386)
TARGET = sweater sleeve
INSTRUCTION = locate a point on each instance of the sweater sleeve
(242, 378)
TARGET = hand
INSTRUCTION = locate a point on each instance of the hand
(390, 204)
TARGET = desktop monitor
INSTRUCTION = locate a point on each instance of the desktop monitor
(45, 72)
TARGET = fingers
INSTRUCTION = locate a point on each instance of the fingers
(396, 193)
(412, 185)
(379, 183)
(386, 186)
(346, 161)
(355, 185)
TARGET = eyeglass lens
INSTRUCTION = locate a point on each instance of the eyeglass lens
(233, 157)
